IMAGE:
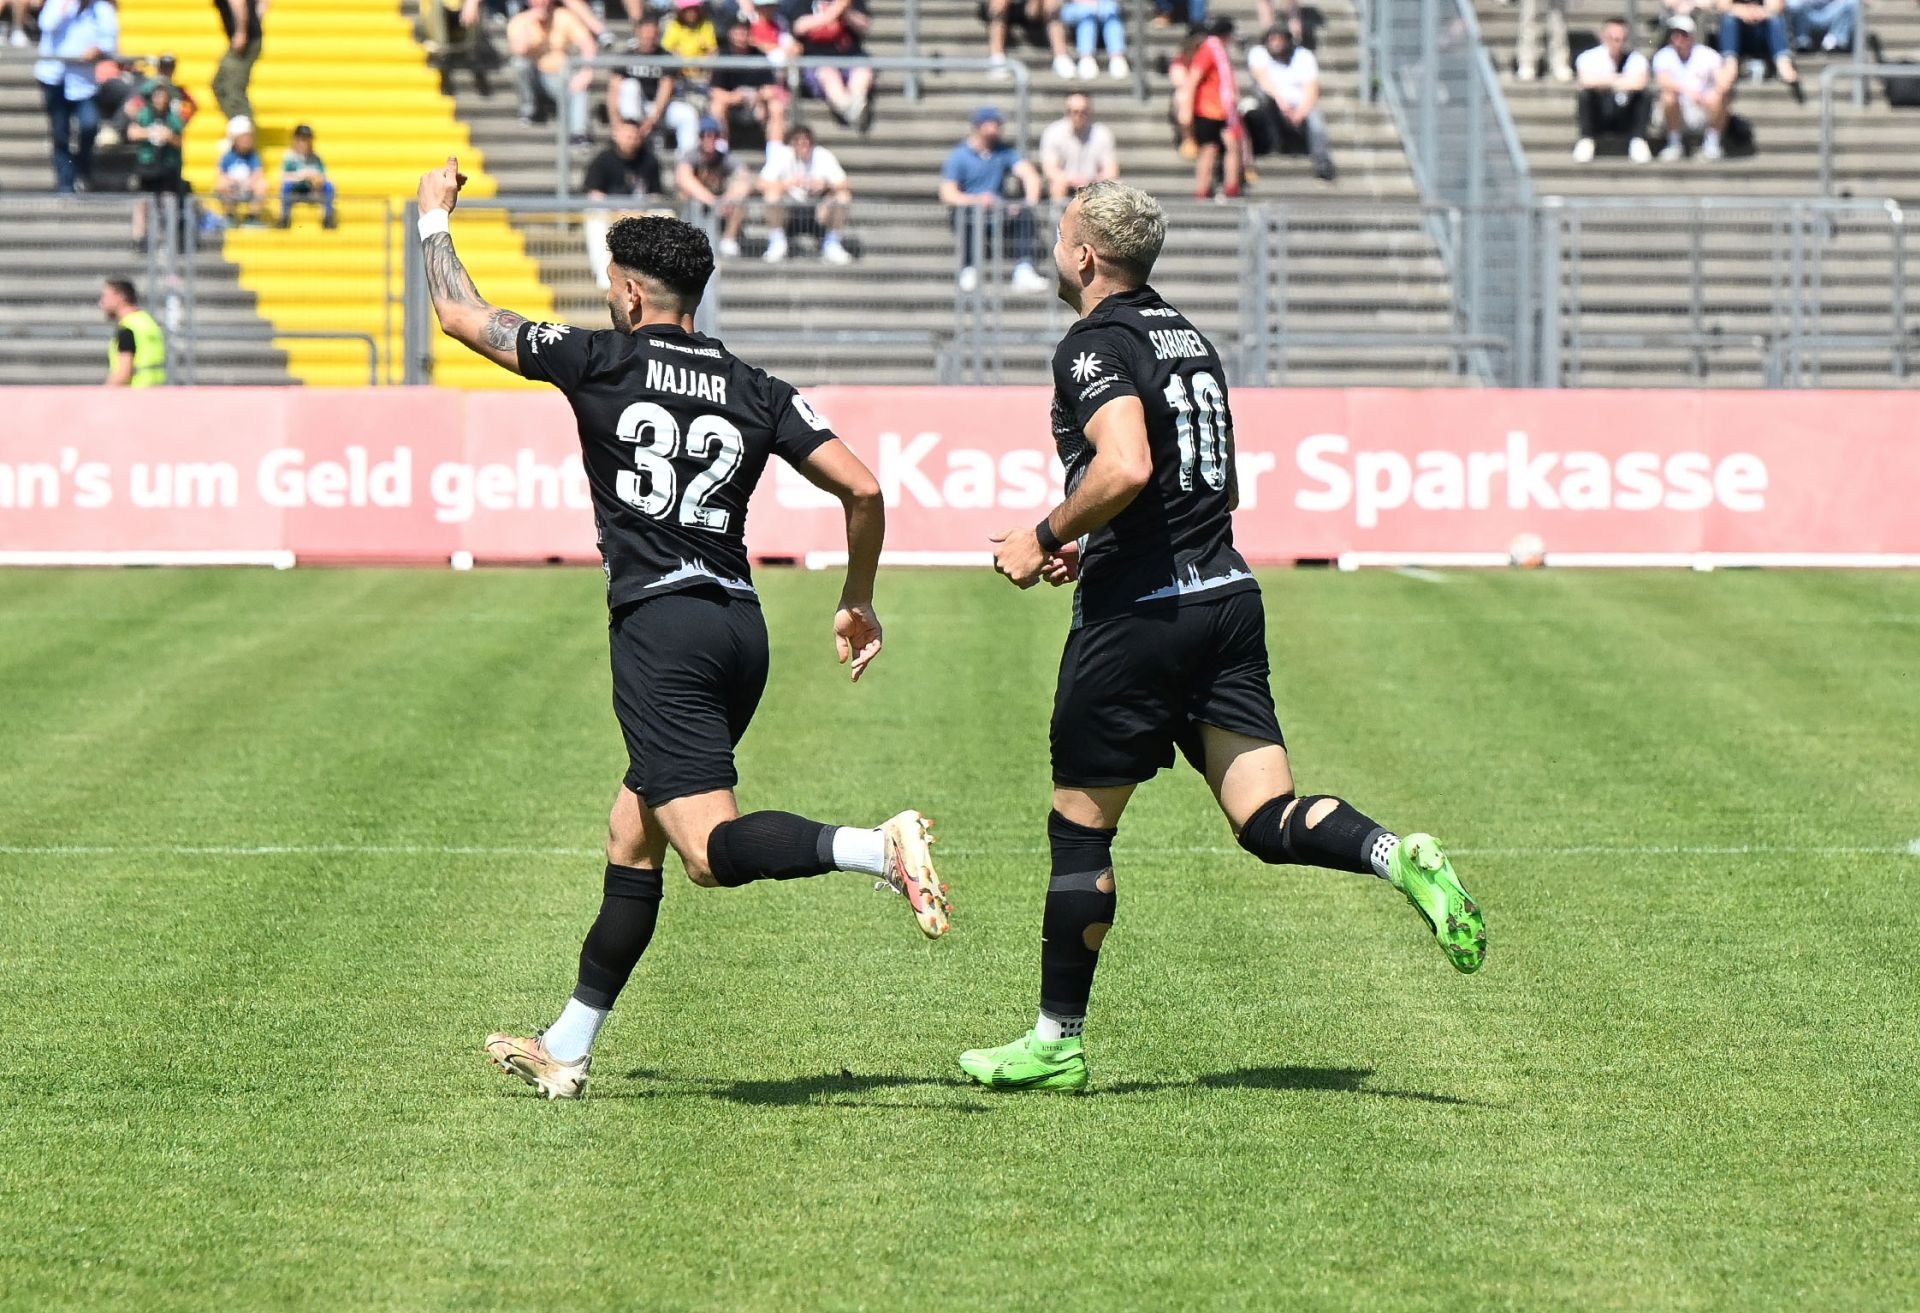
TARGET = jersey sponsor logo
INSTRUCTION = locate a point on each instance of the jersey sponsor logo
(815, 420)
(1177, 343)
(662, 377)
(1096, 387)
(1085, 366)
(546, 335)
(665, 344)
(1158, 312)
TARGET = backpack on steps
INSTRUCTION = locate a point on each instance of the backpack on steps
(1903, 89)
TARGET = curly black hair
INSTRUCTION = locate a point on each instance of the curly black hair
(674, 254)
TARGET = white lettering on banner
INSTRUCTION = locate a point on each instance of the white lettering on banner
(284, 479)
(919, 473)
(195, 485)
(1373, 482)
(1248, 467)
(460, 491)
(23, 487)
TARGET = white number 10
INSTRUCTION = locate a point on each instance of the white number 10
(655, 436)
(1211, 451)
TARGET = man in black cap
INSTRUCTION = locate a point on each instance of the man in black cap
(303, 177)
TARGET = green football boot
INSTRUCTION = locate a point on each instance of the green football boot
(1029, 1063)
(1419, 869)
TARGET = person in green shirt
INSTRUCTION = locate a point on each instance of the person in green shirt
(155, 128)
(137, 355)
(303, 177)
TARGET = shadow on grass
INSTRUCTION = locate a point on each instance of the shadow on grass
(827, 1088)
(1333, 1080)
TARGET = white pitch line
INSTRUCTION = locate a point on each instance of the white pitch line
(1911, 849)
(1424, 575)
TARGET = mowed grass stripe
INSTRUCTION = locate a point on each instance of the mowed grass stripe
(1680, 1082)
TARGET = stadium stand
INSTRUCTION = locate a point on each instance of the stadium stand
(352, 70)
(57, 249)
(1643, 250)
(896, 306)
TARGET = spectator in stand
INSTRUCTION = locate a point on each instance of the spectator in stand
(455, 37)
(73, 34)
(1075, 151)
(747, 95)
(1526, 59)
(973, 180)
(1696, 92)
(1187, 13)
(1758, 31)
(303, 180)
(708, 176)
(835, 28)
(690, 33)
(648, 94)
(1037, 17)
(240, 19)
(1288, 78)
(628, 171)
(21, 14)
(1207, 109)
(540, 38)
(1094, 21)
(137, 356)
(242, 184)
(156, 131)
(1304, 22)
(807, 195)
(1826, 23)
(1613, 94)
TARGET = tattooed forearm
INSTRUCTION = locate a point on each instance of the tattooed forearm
(502, 330)
(447, 278)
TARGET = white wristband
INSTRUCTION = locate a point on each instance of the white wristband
(433, 221)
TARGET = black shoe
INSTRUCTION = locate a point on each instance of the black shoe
(481, 82)
(1798, 92)
(331, 222)
(446, 82)
(1323, 170)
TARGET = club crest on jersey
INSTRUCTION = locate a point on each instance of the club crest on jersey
(1085, 366)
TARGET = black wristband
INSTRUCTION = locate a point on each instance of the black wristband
(1049, 540)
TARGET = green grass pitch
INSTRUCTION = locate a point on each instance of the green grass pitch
(277, 850)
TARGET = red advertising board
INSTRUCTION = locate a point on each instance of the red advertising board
(1362, 474)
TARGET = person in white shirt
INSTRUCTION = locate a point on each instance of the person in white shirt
(805, 176)
(1696, 92)
(1288, 77)
(1613, 94)
(1075, 151)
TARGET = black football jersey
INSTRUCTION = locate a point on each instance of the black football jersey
(675, 431)
(1173, 544)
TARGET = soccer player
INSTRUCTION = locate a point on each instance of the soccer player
(675, 431)
(1168, 645)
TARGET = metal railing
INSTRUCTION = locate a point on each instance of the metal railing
(791, 70)
(1427, 60)
(1858, 73)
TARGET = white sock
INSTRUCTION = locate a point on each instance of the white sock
(1711, 139)
(1673, 139)
(1049, 1027)
(571, 1038)
(1383, 853)
(859, 850)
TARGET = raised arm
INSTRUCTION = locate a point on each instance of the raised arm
(834, 468)
(1122, 465)
(464, 314)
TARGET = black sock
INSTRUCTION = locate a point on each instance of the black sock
(1080, 908)
(629, 909)
(1341, 840)
(769, 846)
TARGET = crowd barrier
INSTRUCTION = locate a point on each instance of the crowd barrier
(278, 476)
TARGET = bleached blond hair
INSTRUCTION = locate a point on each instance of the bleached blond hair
(1124, 226)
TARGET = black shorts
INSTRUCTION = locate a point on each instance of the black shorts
(688, 671)
(1135, 687)
(160, 181)
(1208, 132)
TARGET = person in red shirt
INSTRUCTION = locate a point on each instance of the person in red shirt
(1206, 107)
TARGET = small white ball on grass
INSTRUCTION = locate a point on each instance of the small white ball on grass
(462, 561)
(1527, 552)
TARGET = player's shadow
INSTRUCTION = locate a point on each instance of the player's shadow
(843, 1088)
(1332, 1080)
